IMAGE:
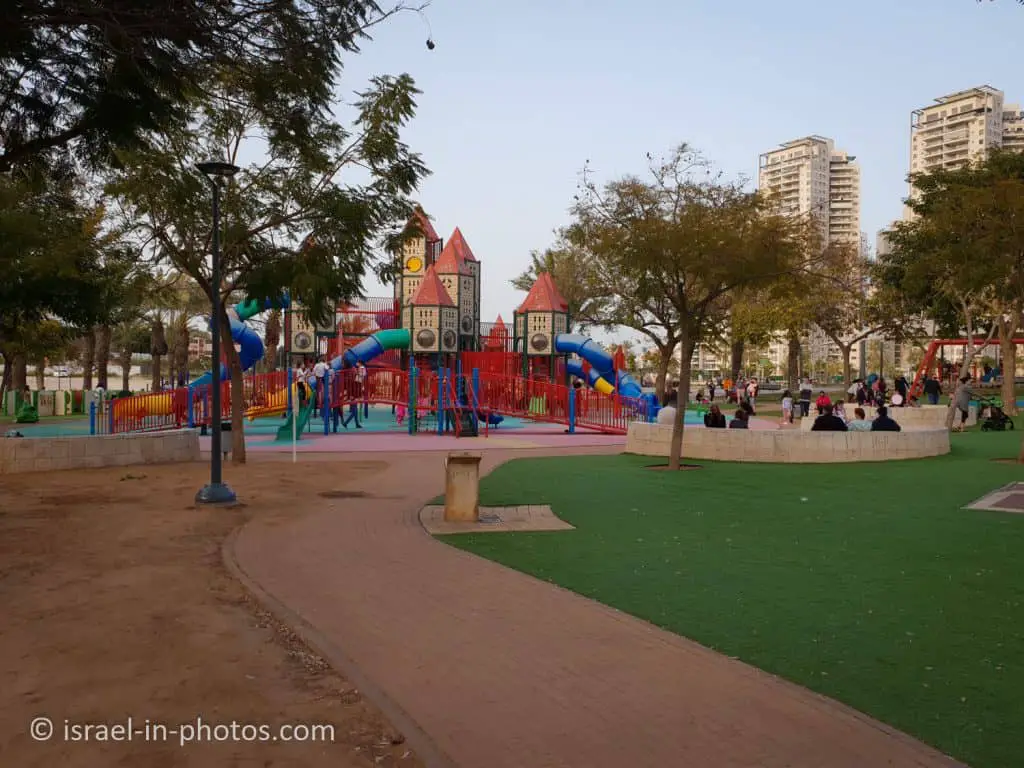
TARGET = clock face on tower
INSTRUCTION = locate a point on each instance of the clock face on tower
(414, 264)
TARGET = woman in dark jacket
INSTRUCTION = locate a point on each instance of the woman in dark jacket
(714, 419)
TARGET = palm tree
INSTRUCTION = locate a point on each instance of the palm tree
(271, 339)
(157, 349)
(102, 333)
(129, 337)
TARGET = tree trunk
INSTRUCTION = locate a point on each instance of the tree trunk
(126, 369)
(1008, 362)
(665, 354)
(102, 355)
(234, 364)
(40, 374)
(736, 351)
(5, 379)
(88, 359)
(847, 350)
(688, 346)
(19, 373)
(793, 361)
(158, 371)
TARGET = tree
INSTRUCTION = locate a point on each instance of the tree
(571, 268)
(963, 253)
(129, 337)
(290, 222)
(689, 239)
(102, 75)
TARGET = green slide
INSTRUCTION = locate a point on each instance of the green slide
(284, 433)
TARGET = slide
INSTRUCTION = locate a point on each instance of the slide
(602, 376)
(284, 432)
(250, 344)
(363, 352)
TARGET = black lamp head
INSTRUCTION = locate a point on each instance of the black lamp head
(430, 44)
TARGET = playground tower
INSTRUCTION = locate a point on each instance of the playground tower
(459, 271)
(439, 281)
(543, 315)
(418, 253)
(432, 317)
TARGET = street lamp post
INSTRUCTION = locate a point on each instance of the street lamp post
(216, 492)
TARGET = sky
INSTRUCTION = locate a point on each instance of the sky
(517, 96)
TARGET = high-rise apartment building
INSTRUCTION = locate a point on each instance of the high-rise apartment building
(809, 176)
(961, 128)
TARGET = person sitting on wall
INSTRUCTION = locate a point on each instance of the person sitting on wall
(740, 421)
(828, 421)
(668, 412)
(714, 419)
(823, 401)
(860, 422)
(884, 422)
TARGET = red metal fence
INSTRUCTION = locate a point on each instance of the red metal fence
(267, 394)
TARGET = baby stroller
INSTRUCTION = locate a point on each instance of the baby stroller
(995, 419)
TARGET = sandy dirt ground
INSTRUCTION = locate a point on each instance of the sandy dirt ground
(115, 603)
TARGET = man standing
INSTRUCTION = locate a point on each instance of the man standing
(319, 370)
(805, 398)
(932, 389)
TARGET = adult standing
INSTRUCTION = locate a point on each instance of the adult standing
(805, 398)
(932, 389)
(962, 400)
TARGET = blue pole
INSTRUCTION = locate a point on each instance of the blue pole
(412, 400)
(92, 418)
(440, 400)
(325, 404)
(190, 405)
(110, 413)
(476, 393)
(572, 411)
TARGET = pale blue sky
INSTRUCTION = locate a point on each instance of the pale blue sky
(517, 95)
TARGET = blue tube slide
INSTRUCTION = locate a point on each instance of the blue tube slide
(600, 362)
(576, 369)
(371, 346)
(249, 342)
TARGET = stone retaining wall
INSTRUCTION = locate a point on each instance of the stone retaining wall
(29, 454)
(923, 417)
(788, 446)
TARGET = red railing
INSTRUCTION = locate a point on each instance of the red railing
(267, 394)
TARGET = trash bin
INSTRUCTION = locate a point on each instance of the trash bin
(462, 487)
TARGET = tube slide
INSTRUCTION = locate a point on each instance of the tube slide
(601, 365)
(370, 347)
(249, 342)
(593, 380)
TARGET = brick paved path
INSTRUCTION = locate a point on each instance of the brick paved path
(484, 667)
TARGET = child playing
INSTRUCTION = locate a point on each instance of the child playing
(787, 408)
(400, 415)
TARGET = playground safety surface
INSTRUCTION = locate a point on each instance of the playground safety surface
(480, 665)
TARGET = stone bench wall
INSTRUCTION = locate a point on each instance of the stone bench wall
(30, 454)
(924, 417)
(788, 446)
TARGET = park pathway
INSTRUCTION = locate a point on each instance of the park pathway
(483, 667)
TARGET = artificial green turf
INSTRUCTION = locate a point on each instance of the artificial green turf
(868, 582)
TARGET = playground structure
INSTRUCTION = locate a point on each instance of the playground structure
(932, 362)
(424, 351)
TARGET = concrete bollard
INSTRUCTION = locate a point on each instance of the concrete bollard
(462, 487)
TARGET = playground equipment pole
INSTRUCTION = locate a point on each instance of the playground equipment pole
(572, 410)
(325, 403)
(216, 492)
(412, 399)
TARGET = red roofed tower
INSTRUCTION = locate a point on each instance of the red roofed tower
(431, 317)
(497, 337)
(418, 253)
(459, 270)
(543, 315)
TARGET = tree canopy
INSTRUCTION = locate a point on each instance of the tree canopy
(100, 75)
(686, 239)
